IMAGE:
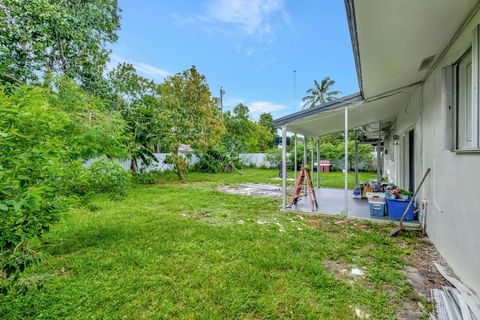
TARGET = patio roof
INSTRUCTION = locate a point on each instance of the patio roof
(396, 43)
(329, 117)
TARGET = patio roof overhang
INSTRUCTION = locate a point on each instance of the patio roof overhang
(396, 43)
(329, 117)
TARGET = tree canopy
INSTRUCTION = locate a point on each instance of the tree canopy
(320, 93)
(65, 37)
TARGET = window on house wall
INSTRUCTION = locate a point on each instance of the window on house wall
(461, 100)
(463, 110)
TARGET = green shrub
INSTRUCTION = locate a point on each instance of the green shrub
(109, 177)
(217, 159)
(151, 177)
(44, 138)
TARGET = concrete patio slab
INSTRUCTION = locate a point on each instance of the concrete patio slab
(331, 201)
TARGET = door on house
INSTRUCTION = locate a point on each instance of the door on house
(409, 160)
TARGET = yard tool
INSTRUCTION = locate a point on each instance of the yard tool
(398, 229)
(304, 177)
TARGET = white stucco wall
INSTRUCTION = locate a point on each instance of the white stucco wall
(452, 189)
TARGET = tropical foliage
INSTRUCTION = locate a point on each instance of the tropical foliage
(58, 36)
(44, 137)
(189, 116)
(248, 135)
(136, 99)
(320, 93)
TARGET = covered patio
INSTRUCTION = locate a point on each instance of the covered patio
(370, 121)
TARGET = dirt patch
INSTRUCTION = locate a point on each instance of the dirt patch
(420, 270)
(250, 191)
(423, 276)
(337, 268)
(197, 214)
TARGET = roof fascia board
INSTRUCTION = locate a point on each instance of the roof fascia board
(352, 26)
(336, 104)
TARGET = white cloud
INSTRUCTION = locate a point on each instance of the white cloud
(252, 23)
(252, 16)
(142, 67)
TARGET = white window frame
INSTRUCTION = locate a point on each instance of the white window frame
(450, 97)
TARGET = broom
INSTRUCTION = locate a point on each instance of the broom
(398, 229)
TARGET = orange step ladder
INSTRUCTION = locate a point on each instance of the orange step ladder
(304, 176)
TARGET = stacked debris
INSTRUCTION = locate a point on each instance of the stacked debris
(454, 303)
(450, 305)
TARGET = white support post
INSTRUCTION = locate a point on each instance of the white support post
(379, 164)
(295, 154)
(311, 158)
(284, 167)
(304, 151)
(346, 162)
(304, 162)
(356, 161)
(318, 162)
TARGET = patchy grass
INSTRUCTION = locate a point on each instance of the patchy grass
(186, 251)
(327, 179)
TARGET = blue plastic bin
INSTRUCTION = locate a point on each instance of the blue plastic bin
(396, 207)
(376, 208)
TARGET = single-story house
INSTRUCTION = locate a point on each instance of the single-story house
(418, 68)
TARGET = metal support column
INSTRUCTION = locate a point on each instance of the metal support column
(295, 154)
(312, 162)
(284, 167)
(318, 162)
(379, 163)
(304, 161)
(346, 163)
(356, 161)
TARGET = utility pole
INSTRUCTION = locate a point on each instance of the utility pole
(222, 92)
(294, 90)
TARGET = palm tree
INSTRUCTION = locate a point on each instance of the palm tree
(320, 93)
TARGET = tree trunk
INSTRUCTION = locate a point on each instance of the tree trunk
(133, 166)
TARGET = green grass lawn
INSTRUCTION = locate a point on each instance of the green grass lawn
(187, 251)
(327, 179)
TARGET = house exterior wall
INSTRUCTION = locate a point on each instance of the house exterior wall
(450, 193)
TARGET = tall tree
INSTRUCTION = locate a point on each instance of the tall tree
(266, 120)
(136, 99)
(189, 115)
(68, 37)
(320, 93)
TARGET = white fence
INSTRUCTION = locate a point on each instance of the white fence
(248, 159)
(257, 160)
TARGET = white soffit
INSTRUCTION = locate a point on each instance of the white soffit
(359, 114)
(395, 36)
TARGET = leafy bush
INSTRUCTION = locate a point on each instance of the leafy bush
(151, 177)
(44, 138)
(107, 176)
(217, 159)
(274, 156)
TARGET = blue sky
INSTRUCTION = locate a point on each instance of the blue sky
(250, 47)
